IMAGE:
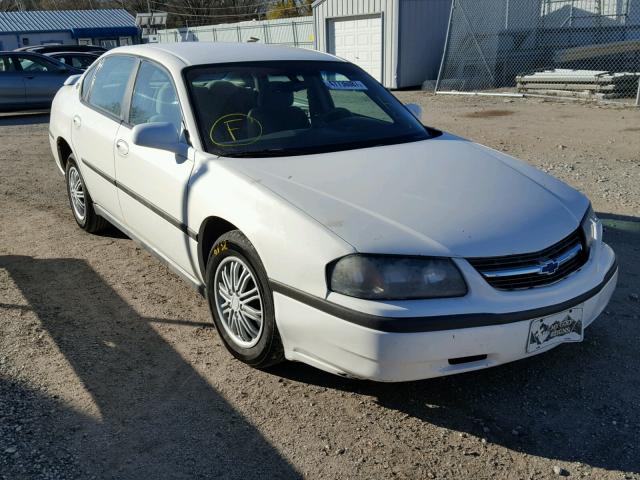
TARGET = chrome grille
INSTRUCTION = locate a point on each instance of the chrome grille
(534, 269)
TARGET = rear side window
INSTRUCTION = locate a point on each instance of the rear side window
(80, 61)
(6, 65)
(154, 97)
(110, 83)
(87, 81)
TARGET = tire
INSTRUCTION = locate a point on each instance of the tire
(80, 200)
(255, 343)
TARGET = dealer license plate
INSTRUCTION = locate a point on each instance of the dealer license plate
(559, 328)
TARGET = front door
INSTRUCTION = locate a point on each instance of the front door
(95, 126)
(153, 183)
(11, 85)
(42, 79)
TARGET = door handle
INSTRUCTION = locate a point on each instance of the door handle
(76, 121)
(122, 147)
(30, 77)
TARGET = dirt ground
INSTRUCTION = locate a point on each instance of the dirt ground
(109, 366)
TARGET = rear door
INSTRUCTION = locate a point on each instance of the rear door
(95, 124)
(11, 85)
(42, 78)
(153, 183)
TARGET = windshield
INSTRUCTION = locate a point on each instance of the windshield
(294, 108)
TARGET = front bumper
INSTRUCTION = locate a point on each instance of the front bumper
(402, 348)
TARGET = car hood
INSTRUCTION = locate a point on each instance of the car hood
(444, 196)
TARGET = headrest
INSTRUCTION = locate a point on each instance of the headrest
(279, 95)
(222, 88)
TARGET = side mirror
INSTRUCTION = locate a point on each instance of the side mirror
(72, 80)
(415, 109)
(160, 135)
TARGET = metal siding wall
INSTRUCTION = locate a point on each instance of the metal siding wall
(423, 31)
(9, 41)
(279, 31)
(343, 8)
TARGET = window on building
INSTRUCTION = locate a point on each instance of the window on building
(125, 41)
(109, 42)
(84, 41)
(25, 41)
(110, 83)
(154, 97)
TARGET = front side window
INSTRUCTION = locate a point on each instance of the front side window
(33, 64)
(154, 97)
(295, 107)
(110, 83)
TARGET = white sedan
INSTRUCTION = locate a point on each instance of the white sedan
(324, 223)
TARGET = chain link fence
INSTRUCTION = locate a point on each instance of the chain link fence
(295, 32)
(575, 48)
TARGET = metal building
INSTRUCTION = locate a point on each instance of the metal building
(399, 42)
(292, 31)
(107, 28)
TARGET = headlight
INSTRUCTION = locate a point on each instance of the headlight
(591, 227)
(391, 277)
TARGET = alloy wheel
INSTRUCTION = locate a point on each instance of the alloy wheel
(76, 193)
(238, 301)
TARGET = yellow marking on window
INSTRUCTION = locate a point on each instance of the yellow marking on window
(226, 122)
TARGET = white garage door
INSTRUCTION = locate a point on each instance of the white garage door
(358, 40)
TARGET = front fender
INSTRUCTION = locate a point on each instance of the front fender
(294, 248)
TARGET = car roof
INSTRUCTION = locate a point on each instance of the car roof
(49, 48)
(81, 54)
(181, 54)
(22, 53)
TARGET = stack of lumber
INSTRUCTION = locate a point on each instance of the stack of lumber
(580, 83)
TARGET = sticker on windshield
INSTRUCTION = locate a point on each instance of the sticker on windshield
(345, 85)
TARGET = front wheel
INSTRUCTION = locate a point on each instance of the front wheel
(241, 301)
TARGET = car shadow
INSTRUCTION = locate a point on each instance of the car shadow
(23, 118)
(157, 416)
(576, 403)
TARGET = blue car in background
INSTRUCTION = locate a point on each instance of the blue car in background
(30, 80)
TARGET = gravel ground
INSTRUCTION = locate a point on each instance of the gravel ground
(109, 367)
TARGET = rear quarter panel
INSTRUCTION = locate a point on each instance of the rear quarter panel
(60, 120)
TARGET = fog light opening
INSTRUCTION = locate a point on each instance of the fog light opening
(471, 359)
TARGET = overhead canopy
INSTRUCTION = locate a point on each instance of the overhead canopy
(81, 23)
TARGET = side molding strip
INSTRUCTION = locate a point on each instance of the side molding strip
(433, 323)
(161, 213)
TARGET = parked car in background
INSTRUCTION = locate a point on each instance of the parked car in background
(30, 80)
(323, 221)
(81, 60)
(61, 48)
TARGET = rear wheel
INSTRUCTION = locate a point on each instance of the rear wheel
(80, 201)
(241, 301)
